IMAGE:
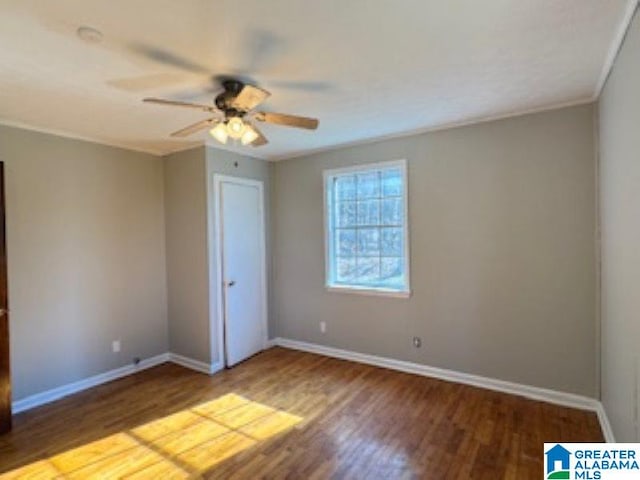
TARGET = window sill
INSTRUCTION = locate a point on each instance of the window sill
(375, 292)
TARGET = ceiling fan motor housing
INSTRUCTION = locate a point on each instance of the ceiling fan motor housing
(223, 101)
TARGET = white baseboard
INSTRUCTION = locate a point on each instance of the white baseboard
(48, 396)
(57, 393)
(196, 365)
(607, 431)
(535, 393)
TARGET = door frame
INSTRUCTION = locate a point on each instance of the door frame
(218, 287)
(5, 357)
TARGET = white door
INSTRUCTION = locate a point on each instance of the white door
(242, 256)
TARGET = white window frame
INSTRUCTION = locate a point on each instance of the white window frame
(330, 285)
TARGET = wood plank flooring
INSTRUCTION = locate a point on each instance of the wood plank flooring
(287, 414)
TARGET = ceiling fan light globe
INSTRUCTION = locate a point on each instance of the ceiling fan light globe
(249, 136)
(236, 127)
(219, 132)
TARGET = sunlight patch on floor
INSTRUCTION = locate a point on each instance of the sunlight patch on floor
(177, 446)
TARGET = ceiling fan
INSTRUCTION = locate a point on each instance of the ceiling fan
(235, 116)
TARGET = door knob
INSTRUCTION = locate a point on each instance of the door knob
(3, 312)
(231, 283)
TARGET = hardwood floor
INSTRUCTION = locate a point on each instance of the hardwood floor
(287, 414)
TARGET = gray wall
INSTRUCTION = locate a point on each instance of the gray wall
(86, 252)
(188, 179)
(620, 231)
(502, 232)
(187, 259)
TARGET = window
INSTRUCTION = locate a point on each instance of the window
(367, 241)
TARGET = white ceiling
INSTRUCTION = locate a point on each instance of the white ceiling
(366, 68)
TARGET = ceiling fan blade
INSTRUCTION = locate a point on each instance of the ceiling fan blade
(166, 57)
(195, 127)
(249, 98)
(261, 140)
(148, 82)
(173, 103)
(287, 120)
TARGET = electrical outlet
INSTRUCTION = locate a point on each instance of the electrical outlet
(323, 327)
(417, 342)
(115, 346)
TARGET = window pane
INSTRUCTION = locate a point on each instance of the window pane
(346, 214)
(368, 242)
(346, 243)
(391, 242)
(391, 182)
(369, 212)
(346, 187)
(391, 271)
(368, 185)
(346, 270)
(392, 211)
(367, 227)
(368, 271)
